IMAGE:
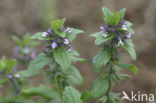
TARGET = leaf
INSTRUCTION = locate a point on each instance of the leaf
(121, 13)
(3, 62)
(57, 26)
(3, 81)
(107, 14)
(100, 86)
(74, 76)
(71, 95)
(75, 59)
(26, 40)
(86, 95)
(113, 98)
(63, 34)
(73, 34)
(41, 91)
(62, 57)
(102, 99)
(10, 65)
(130, 67)
(38, 36)
(17, 40)
(36, 65)
(101, 59)
(129, 29)
(100, 39)
(129, 46)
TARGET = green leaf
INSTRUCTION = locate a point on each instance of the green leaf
(36, 65)
(100, 86)
(17, 40)
(107, 14)
(10, 65)
(3, 62)
(26, 40)
(74, 76)
(121, 14)
(41, 91)
(57, 26)
(3, 81)
(63, 34)
(130, 67)
(73, 34)
(71, 95)
(101, 59)
(62, 57)
(100, 39)
(129, 46)
(113, 98)
(38, 36)
(86, 95)
(102, 99)
(129, 29)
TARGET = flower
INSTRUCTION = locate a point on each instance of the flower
(120, 42)
(129, 35)
(70, 49)
(17, 75)
(104, 35)
(124, 27)
(54, 45)
(44, 34)
(33, 54)
(66, 41)
(10, 76)
(103, 29)
(50, 31)
(68, 30)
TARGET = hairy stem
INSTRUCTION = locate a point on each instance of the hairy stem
(59, 89)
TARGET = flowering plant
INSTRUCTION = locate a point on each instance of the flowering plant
(60, 56)
(114, 35)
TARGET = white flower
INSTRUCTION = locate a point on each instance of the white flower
(68, 30)
(120, 42)
(17, 75)
(54, 45)
(66, 41)
(124, 27)
(44, 34)
(70, 49)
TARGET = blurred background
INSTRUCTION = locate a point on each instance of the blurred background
(18, 17)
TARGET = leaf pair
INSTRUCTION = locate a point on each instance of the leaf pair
(113, 18)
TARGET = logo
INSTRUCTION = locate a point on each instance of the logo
(138, 97)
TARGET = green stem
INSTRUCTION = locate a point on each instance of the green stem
(60, 89)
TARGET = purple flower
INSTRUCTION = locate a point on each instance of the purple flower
(10, 76)
(44, 34)
(16, 49)
(120, 42)
(17, 75)
(50, 31)
(104, 35)
(66, 41)
(33, 54)
(129, 35)
(54, 45)
(103, 29)
(124, 27)
(68, 30)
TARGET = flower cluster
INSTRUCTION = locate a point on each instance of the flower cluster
(55, 41)
(120, 31)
